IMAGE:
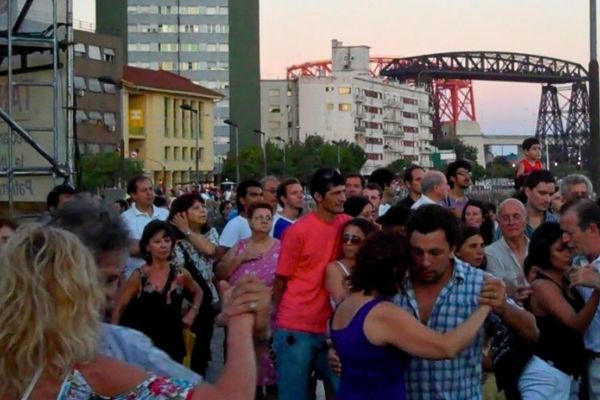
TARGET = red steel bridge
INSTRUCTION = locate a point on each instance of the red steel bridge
(565, 127)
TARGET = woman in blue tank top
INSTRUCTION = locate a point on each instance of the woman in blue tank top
(374, 338)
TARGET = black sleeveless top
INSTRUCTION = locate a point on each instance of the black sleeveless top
(559, 345)
(157, 313)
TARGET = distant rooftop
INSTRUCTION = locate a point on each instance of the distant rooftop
(165, 80)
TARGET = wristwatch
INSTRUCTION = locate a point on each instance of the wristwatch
(187, 233)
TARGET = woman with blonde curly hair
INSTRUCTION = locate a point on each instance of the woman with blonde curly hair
(50, 311)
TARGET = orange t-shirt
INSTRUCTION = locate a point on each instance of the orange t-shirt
(528, 167)
(306, 249)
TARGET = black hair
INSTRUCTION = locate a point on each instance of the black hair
(182, 204)
(487, 225)
(375, 186)
(365, 226)
(8, 222)
(152, 229)
(222, 206)
(353, 206)
(122, 204)
(395, 216)
(132, 184)
(491, 207)
(362, 180)
(408, 172)
(432, 217)
(242, 191)
(453, 167)
(527, 143)
(539, 245)
(160, 201)
(467, 232)
(383, 177)
(54, 195)
(534, 178)
(324, 179)
(282, 188)
(381, 264)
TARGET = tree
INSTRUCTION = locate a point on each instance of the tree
(398, 166)
(463, 151)
(301, 159)
(478, 172)
(103, 170)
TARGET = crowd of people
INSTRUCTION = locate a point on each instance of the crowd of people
(375, 291)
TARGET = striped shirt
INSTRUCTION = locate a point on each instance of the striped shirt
(458, 378)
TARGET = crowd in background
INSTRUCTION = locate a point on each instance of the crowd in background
(395, 287)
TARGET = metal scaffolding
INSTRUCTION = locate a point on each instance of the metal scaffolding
(36, 53)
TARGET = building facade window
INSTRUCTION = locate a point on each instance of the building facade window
(79, 49)
(79, 83)
(345, 107)
(345, 90)
(110, 119)
(109, 55)
(167, 154)
(109, 88)
(94, 52)
(94, 85)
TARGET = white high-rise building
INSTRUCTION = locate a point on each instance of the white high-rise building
(388, 120)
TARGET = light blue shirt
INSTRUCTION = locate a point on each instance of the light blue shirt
(135, 348)
(591, 337)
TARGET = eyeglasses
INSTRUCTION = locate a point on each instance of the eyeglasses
(465, 173)
(507, 219)
(272, 190)
(351, 239)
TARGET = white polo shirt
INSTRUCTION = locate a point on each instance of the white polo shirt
(136, 221)
(235, 230)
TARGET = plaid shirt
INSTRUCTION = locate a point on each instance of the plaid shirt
(458, 378)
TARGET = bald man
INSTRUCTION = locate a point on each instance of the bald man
(505, 257)
(434, 188)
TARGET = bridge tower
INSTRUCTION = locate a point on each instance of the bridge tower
(578, 125)
(550, 128)
(453, 99)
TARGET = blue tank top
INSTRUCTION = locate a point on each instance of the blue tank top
(369, 372)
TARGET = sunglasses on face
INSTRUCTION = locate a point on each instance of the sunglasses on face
(351, 239)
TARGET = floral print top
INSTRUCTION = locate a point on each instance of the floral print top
(203, 264)
(75, 387)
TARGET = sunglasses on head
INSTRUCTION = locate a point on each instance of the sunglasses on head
(351, 239)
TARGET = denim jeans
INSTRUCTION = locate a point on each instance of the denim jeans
(594, 377)
(298, 354)
(541, 381)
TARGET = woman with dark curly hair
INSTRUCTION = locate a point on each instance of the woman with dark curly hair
(365, 325)
(156, 293)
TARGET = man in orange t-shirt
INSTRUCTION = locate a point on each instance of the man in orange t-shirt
(302, 302)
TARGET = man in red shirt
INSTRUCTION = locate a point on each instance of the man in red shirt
(303, 306)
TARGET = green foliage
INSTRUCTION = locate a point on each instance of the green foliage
(463, 151)
(301, 159)
(398, 166)
(478, 172)
(103, 170)
(498, 170)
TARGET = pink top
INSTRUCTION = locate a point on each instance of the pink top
(263, 268)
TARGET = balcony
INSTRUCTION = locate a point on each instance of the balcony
(394, 133)
(360, 112)
(360, 98)
(137, 132)
(424, 107)
(360, 129)
(427, 122)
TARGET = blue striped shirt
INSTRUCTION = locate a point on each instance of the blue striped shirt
(458, 378)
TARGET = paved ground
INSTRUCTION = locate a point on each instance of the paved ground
(215, 367)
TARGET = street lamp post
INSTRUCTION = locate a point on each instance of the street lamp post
(188, 107)
(594, 162)
(280, 139)
(263, 142)
(337, 143)
(237, 148)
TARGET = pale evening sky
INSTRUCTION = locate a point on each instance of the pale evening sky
(296, 31)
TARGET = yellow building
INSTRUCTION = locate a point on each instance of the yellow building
(160, 132)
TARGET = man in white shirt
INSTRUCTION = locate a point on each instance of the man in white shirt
(141, 212)
(580, 221)
(505, 257)
(434, 187)
(248, 192)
